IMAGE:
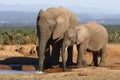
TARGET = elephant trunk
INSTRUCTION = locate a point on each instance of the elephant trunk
(41, 50)
(63, 56)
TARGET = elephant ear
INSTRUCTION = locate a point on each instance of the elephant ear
(82, 33)
(61, 26)
(41, 12)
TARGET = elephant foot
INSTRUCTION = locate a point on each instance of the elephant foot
(79, 66)
(70, 63)
(67, 70)
(55, 66)
(91, 64)
(84, 62)
(101, 64)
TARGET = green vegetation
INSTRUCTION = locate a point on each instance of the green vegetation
(114, 37)
(114, 33)
(112, 28)
(27, 35)
(14, 37)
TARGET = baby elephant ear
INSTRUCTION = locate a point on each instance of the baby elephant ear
(61, 27)
(82, 34)
(41, 12)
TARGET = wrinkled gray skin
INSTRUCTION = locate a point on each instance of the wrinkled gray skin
(51, 27)
(90, 36)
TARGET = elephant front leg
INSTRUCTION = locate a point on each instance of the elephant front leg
(41, 50)
(42, 42)
(81, 61)
(80, 58)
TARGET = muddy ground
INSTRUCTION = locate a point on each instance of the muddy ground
(26, 56)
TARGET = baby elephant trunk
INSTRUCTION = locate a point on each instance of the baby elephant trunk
(63, 56)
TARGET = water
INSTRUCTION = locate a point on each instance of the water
(17, 69)
(17, 72)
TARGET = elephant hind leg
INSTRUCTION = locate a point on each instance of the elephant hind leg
(95, 58)
(102, 60)
(103, 54)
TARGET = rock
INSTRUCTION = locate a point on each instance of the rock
(22, 51)
(28, 68)
(5, 67)
(33, 52)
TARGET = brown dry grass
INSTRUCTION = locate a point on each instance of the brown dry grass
(113, 50)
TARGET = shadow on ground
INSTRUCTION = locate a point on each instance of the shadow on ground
(26, 64)
(19, 63)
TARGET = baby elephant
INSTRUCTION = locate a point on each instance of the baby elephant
(90, 36)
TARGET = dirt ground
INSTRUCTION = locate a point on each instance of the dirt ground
(27, 56)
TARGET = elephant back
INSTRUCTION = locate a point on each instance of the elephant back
(73, 20)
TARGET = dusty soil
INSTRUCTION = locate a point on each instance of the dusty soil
(27, 56)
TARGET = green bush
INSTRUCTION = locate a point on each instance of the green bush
(113, 33)
(15, 37)
(114, 37)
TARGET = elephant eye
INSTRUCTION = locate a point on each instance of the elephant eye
(70, 38)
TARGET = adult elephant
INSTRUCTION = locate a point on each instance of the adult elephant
(88, 37)
(51, 27)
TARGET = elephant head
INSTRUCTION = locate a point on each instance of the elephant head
(75, 35)
(52, 23)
